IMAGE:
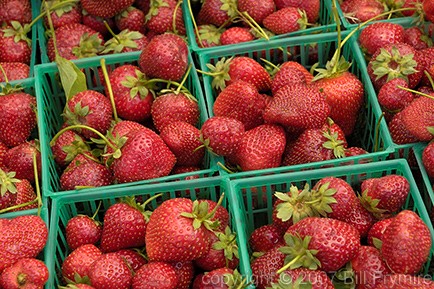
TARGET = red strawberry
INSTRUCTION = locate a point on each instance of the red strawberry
(132, 19)
(399, 132)
(241, 100)
(133, 100)
(402, 281)
(185, 272)
(75, 41)
(414, 251)
(19, 159)
(15, 192)
(97, 23)
(265, 238)
(111, 8)
(24, 194)
(289, 74)
(81, 230)
(172, 107)
(297, 107)
(21, 237)
(209, 36)
(264, 267)
(161, 15)
(216, 12)
(144, 156)
(317, 279)
(166, 57)
(89, 108)
(222, 278)
(155, 275)
(286, 20)
(110, 271)
(125, 41)
(312, 7)
(134, 258)
(362, 10)
(378, 34)
(221, 214)
(428, 159)
(67, 14)
(15, 10)
(257, 10)
(415, 37)
(124, 226)
(418, 116)
(385, 195)
(235, 35)
(79, 262)
(183, 140)
(17, 118)
(19, 45)
(392, 98)
(14, 71)
(3, 150)
(428, 10)
(377, 231)
(354, 151)
(261, 147)
(25, 273)
(67, 147)
(369, 267)
(77, 286)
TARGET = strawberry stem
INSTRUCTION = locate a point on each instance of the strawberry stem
(20, 206)
(54, 7)
(415, 91)
(184, 79)
(50, 23)
(150, 200)
(429, 78)
(338, 26)
(37, 188)
(97, 210)
(109, 88)
(174, 17)
(196, 29)
(252, 23)
(4, 74)
(284, 268)
(214, 210)
(225, 168)
(109, 29)
(377, 133)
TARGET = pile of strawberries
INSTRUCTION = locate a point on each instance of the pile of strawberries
(327, 236)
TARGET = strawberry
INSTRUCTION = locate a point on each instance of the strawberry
(110, 271)
(21, 237)
(97, 23)
(3, 150)
(369, 267)
(111, 8)
(124, 226)
(216, 12)
(19, 45)
(25, 273)
(90, 108)
(15, 10)
(81, 230)
(385, 195)
(426, 63)
(418, 117)
(221, 214)
(133, 257)
(235, 35)
(241, 100)
(79, 262)
(185, 273)
(357, 11)
(314, 279)
(165, 56)
(15, 191)
(286, 20)
(144, 156)
(67, 14)
(265, 238)
(402, 281)
(378, 34)
(155, 275)
(428, 10)
(377, 231)
(133, 100)
(132, 19)
(172, 107)
(288, 75)
(183, 140)
(165, 16)
(399, 131)
(85, 171)
(171, 235)
(311, 7)
(17, 117)
(209, 36)
(415, 37)
(298, 66)
(392, 98)
(67, 146)
(264, 267)
(428, 159)
(257, 10)
(125, 41)
(354, 151)
(24, 193)
(14, 71)
(223, 278)
(77, 286)
(414, 251)
(75, 41)
(229, 71)
(297, 107)
(261, 147)
(19, 159)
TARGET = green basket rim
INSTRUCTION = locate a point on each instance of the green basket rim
(418, 150)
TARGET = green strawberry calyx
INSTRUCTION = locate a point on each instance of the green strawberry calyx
(345, 278)
(371, 204)
(7, 182)
(219, 72)
(235, 280)
(125, 39)
(90, 45)
(227, 243)
(285, 282)
(154, 7)
(137, 85)
(64, 8)
(294, 206)
(131, 201)
(210, 34)
(298, 253)
(202, 216)
(18, 32)
(393, 65)
(77, 115)
(77, 146)
(322, 198)
(333, 143)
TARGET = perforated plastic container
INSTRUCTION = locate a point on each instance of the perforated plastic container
(51, 100)
(253, 197)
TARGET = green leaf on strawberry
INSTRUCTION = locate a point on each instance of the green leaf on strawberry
(227, 243)
(294, 205)
(323, 197)
(7, 182)
(298, 254)
(404, 65)
(73, 79)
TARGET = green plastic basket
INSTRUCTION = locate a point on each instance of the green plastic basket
(68, 206)
(52, 101)
(426, 185)
(327, 24)
(253, 197)
(369, 118)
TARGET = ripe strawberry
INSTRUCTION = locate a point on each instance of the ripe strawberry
(264, 267)
(21, 237)
(311, 7)
(14, 71)
(392, 98)
(25, 273)
(221, 214)
(90, 108)
(209, 36)
(418, 116)
(67, 147)
(241, 100)
(229, 71)
(155, 275)
(265, 238)
(132, 19)
(19, 45)
(286, 20)
(171, 236)
(124, 226)
(385, 195)
(378, 34)
(428, 10)
(172, 107)
(81, 230)
(15, 10)
(428, 159)
(77, 286)
(399, 132)
(19, 159)
(3, 150)
(111, 8)
(75, 41)
(235, 35)
(298, 66)
(125, 41)
(78, 263)
(134, 258)
(161, 15)
(354, 151)
(415, 37)
(166, 57)
(403, 281)
(257, 10)
(67, 14)
(369, 267)
(85, 171)
(377, 231)
(110, 271)
(288, 75)
(17, 117)
(314, 279)
(362, 10)
(261, 147)
(216, 12)
(185, 272)
(297, 107)
(24, 193)
(414, 251)
(425, 64)
(97, 23)
(144, 156)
